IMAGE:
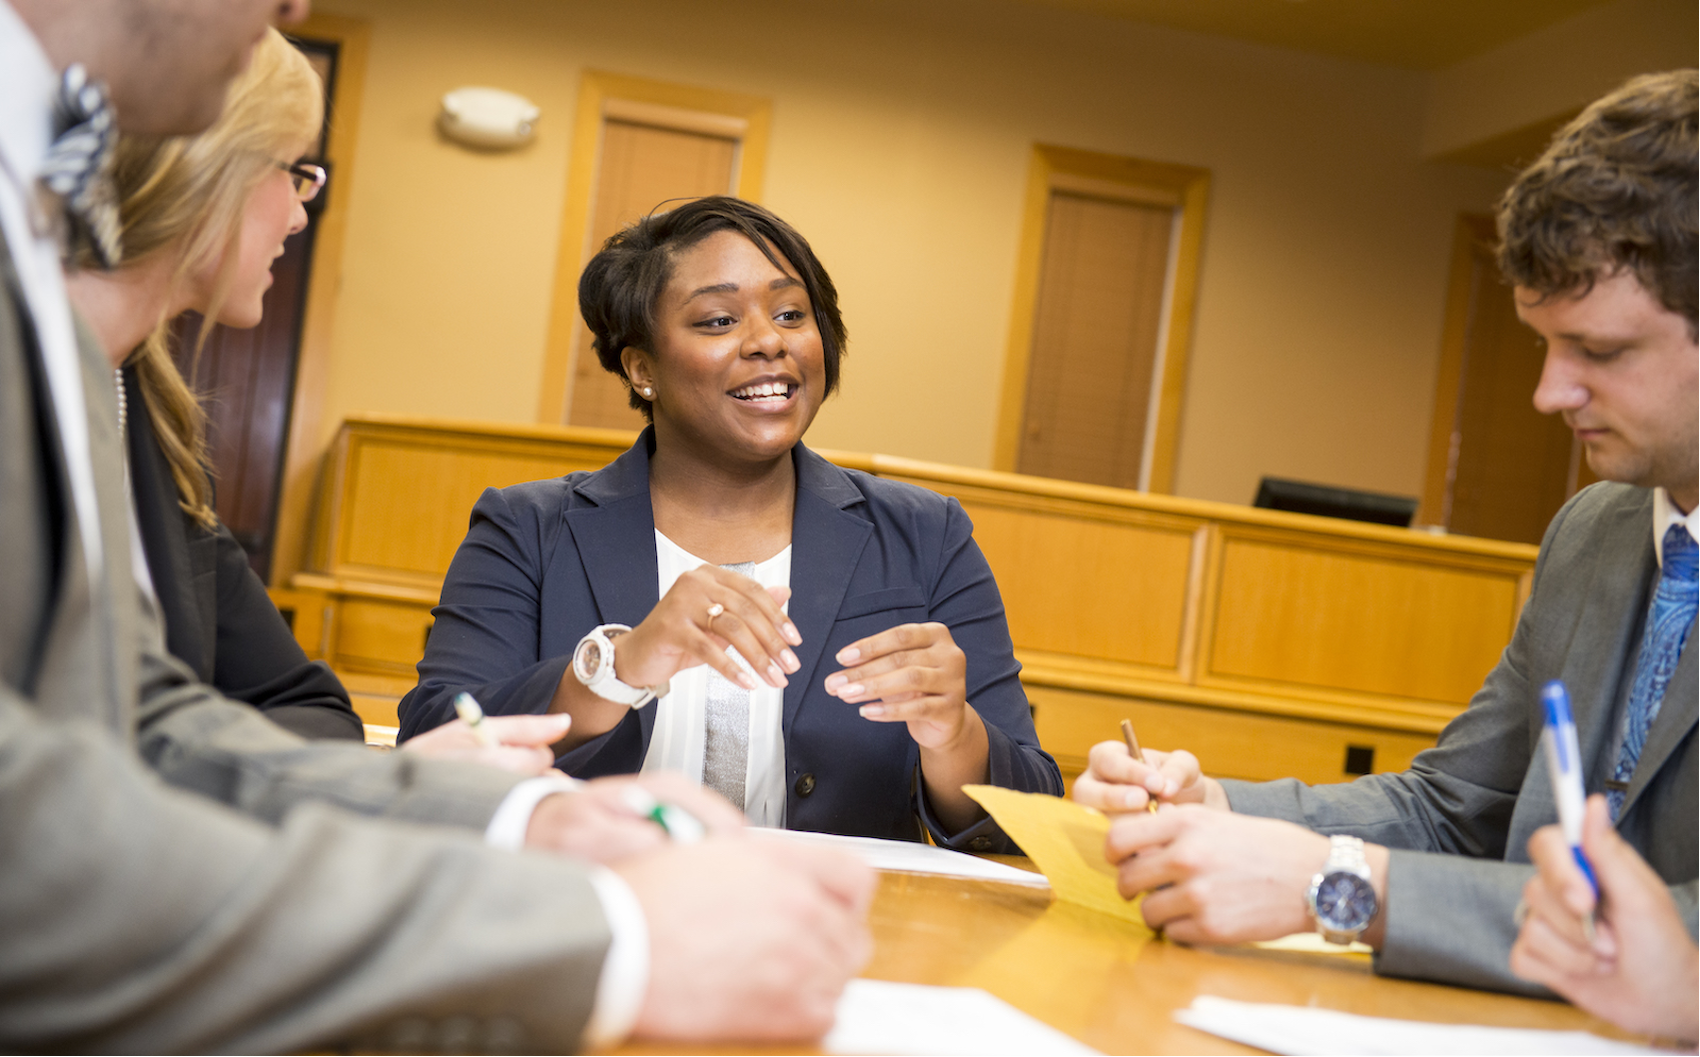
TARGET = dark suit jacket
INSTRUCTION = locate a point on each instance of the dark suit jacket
(218, 618)
(544, 562)
(1459, 820)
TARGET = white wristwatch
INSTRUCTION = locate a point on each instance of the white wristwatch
(593, 663)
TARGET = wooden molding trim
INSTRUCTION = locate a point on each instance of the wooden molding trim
(353, 37)
(1471, 228)
(659, 102)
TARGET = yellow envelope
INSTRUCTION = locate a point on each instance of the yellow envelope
(1066, 841)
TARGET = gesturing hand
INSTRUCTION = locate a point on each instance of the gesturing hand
(914, 674)
(706, 610)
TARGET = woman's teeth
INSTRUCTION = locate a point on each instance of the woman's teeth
(763, 390)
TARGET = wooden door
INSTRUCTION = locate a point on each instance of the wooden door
(246, 378)
(643, 168)
(1508, 467)
(1096, 331)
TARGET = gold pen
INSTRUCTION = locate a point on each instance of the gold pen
(1133, 750)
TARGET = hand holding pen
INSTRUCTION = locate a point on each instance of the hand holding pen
(1121, 777)
(520, 744)
(607, 819)
(1637, 968)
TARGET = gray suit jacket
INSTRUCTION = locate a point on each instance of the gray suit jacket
(1460, 818)
(179, 874)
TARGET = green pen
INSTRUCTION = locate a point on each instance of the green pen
(679, 825)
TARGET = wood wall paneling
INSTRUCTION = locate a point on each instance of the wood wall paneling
(1269, 643)
(1292, 612)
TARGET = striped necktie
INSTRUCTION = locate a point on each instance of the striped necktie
(78, 167)
(1669, 619)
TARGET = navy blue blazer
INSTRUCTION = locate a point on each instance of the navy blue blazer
(546, 561)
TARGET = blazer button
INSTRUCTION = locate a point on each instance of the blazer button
(805, 785)
(980, 843)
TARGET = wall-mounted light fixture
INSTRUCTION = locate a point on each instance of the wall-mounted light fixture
(489, 118)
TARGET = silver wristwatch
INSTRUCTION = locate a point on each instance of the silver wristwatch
(1341, 897)
(593, 663)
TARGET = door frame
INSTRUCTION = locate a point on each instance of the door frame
(1187, 189)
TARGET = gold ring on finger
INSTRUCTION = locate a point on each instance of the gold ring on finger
(715, 610)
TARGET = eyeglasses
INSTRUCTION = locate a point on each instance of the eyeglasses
(306, 178)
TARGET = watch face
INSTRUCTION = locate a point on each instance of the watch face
(588, 660)
(1345, 902)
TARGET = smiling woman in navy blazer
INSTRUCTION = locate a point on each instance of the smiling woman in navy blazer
(879, 675)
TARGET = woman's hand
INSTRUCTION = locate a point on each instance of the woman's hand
(708, 609)
(914, 674)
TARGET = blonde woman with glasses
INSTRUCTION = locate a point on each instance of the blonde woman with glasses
(203, 218)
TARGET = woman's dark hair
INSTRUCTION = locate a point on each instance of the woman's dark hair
(620, 287)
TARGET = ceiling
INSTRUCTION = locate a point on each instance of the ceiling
(1414, 34)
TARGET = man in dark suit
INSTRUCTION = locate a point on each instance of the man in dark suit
(1427, 866)
(176, 873)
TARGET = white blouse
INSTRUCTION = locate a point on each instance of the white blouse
(681, 717)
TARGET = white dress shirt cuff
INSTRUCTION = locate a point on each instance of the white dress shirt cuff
(513, 815)
(625, 971)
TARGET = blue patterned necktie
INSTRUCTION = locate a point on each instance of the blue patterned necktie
(79, 163)
(1668, 620)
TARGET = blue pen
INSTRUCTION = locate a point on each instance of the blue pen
(1564, 761)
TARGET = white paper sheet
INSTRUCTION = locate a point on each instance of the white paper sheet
(1298, 1030)
(879, 1017)
(907, 856)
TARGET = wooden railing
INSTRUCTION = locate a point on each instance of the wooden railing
(1270, 644)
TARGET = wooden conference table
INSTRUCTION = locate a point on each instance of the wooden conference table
(1114, 987)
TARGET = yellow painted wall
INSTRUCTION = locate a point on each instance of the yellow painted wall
(1555, 71)
(900, 146)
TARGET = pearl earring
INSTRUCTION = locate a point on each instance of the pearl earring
(648, 392)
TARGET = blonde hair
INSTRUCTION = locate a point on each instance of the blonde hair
(186, 195)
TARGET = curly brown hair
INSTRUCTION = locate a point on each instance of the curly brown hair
(1615, 190)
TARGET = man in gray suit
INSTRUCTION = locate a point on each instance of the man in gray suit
(176, 873)
(1427, 866)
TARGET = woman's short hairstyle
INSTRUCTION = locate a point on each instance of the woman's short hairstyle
(622, 285)
(1615, 190)
(186, 196)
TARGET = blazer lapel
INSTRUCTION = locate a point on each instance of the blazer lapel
(826, 544)
(1601, 644)
(616, 536)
